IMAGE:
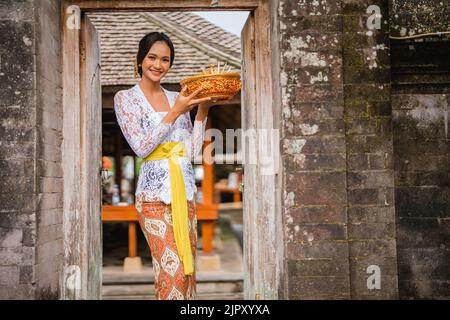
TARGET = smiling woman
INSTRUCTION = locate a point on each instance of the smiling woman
(155, 64)
(156, 51)
(156, 122)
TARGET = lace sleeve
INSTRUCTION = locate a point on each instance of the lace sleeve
(142, 142)
(197, 136)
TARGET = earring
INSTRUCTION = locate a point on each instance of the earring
(136, 71)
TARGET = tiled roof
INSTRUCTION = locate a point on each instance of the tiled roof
(197, 43)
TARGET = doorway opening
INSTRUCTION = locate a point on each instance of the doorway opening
(83, 91)
(219, 206)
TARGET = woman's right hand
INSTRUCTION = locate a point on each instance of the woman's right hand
(184, 104)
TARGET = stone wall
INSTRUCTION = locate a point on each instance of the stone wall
(30, 150)
(369, 148)
(365, 167)
(314, 160)
(339, 179)
(422, 194)
(413, 17)
(18, 197)
(420, 103)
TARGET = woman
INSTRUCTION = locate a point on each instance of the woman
(157, 126)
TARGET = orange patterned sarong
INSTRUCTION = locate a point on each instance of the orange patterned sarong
(171, 283)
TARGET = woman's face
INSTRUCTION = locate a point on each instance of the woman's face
(156, 63)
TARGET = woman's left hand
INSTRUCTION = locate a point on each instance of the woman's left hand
(207, 104)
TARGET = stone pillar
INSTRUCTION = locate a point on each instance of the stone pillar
(18, 198)
(369, 145)
(337, 151)
(30, 150)
(314, 148)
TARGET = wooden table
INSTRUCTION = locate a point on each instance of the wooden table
(111, 213)
(206, 213)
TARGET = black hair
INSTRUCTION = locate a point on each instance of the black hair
(147, 42)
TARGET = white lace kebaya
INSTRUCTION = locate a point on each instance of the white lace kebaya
(144, 130)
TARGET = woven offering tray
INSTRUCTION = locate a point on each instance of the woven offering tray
(217, 83)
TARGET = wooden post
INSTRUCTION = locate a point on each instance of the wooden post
(208, 209)
(208, 236)
(208, 169)
(236, 196)
(132, 239)
(118, 153)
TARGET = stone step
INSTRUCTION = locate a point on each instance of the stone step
(115, 276)
(211, 290)
(149, 289)
(121, 285)
(209, 296)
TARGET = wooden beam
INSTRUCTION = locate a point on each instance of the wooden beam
(250, 194)
(90, 159)
(119, 213)
(71, 159)
(263, 226)
(163, 5)
(207, 212)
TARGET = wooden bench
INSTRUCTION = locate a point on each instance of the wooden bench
(205, 213)
(111, 213)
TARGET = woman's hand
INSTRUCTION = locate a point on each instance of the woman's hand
(207, 104)
(212, 102)
(184, 104)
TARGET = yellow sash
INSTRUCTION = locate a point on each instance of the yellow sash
(171, 151)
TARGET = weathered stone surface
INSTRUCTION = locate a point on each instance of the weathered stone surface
(317, 214)
(26, 275)
(364, 179)
(373, 248)
(421, 202)
(373, 196)
(421, 157)
(318, 180)
(321, 287)
(307, 162)
(310, 8)
(308, 233)
(319, 267)
(10, 237)
(30, 147)
(317, 249)
(371, 214)
(414, 17)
